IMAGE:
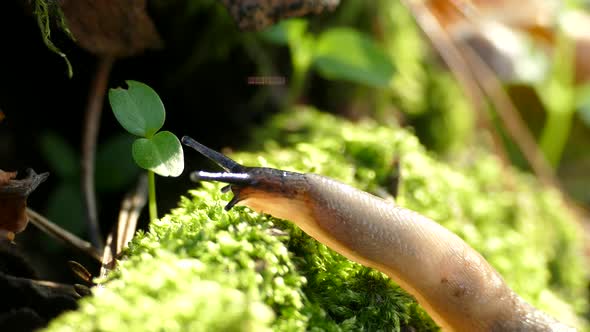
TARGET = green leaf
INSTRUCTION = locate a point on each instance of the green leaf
(161, 154)
(343, 53)
(138, 109)
(115, 168)
(62, 158)
(288, 31)
(276, 34)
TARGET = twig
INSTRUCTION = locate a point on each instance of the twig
(61, 234)
(446, 48)
(55, 286)
(118, 239)
(509, 115)
(89, 138)
(511, 119)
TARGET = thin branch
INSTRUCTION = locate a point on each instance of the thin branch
(89, 138)
(447, 50)
(62, 235)
(445, 47)
(118, 239)
(508, 113)
(511, 119)
(55, 286)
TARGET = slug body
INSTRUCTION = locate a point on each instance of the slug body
(458, 288)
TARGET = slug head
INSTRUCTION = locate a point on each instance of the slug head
(247, 182)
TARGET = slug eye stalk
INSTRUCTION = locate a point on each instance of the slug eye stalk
(246, 182)
(235, 175)
(223, 161)
(232, 178)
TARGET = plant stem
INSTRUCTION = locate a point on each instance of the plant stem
(152, 196)
(89, 140)
(61, 234)
(555, 134)
(296, 87)
(559, 98)
(301, 59)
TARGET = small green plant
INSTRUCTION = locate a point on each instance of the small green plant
(336, 54)
(141, 112)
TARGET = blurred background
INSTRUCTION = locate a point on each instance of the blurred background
(509, 75)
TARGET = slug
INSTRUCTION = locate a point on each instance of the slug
(458, 288)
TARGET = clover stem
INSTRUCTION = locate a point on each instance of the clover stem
(152, 196)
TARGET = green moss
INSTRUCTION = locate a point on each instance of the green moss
(44, 11)
(201, 268)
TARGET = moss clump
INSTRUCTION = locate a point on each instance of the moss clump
(201, 268)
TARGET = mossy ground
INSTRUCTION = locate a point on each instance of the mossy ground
(201, 268)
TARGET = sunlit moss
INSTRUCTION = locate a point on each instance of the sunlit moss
(202, 268)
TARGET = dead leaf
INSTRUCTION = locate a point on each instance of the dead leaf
(6, 176)
(111, 27)
(258, 14)
(13, 199)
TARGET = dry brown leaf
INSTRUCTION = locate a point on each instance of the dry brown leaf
(111, 27)
(6, 176)
(13, 199)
